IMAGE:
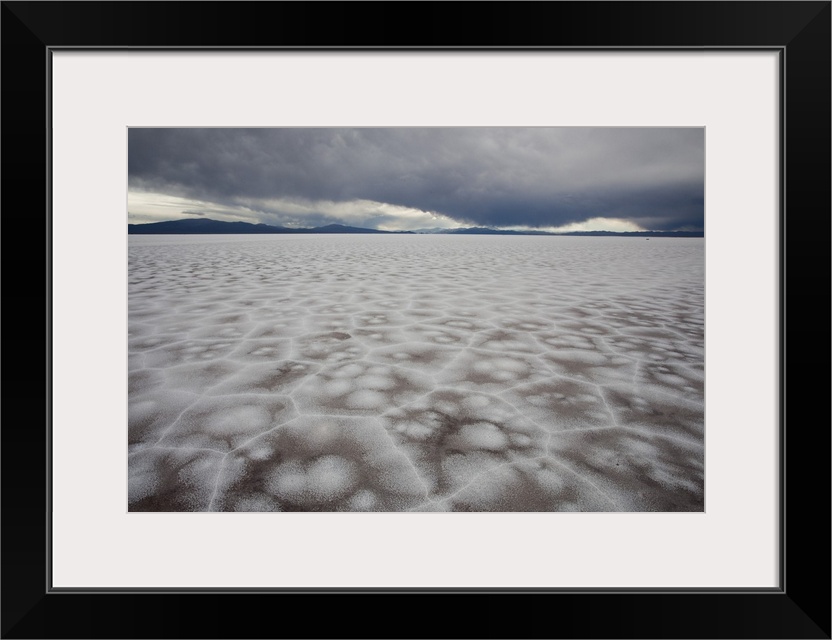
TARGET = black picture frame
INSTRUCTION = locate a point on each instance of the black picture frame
(798, 608)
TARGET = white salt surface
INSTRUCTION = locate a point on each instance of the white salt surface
(415, 373)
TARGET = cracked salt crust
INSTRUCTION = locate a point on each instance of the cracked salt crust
(415, 373)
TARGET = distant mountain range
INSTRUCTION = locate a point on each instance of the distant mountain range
(207, 226)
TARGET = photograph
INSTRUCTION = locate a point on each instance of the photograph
(416, 319)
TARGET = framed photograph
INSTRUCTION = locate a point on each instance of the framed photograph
(630, 424)
(422, 319)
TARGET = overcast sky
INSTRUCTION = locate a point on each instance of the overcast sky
(412, 178)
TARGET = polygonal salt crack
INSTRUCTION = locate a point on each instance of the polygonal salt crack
(274, 377)
(451, 436)
(225, 422)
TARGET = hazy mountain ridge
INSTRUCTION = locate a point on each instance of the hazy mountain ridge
(208, 226)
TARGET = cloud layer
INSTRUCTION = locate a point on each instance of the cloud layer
(411, 177)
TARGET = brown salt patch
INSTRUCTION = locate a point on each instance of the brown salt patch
(532, 485)
(328, 347)
(593, 366)
(636, 471)
(676, 379)
(171, 480)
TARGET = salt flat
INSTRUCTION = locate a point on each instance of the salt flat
(415, 373)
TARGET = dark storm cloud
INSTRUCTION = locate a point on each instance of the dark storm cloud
(489, 176)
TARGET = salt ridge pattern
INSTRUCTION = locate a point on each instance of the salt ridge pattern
(415, 373)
